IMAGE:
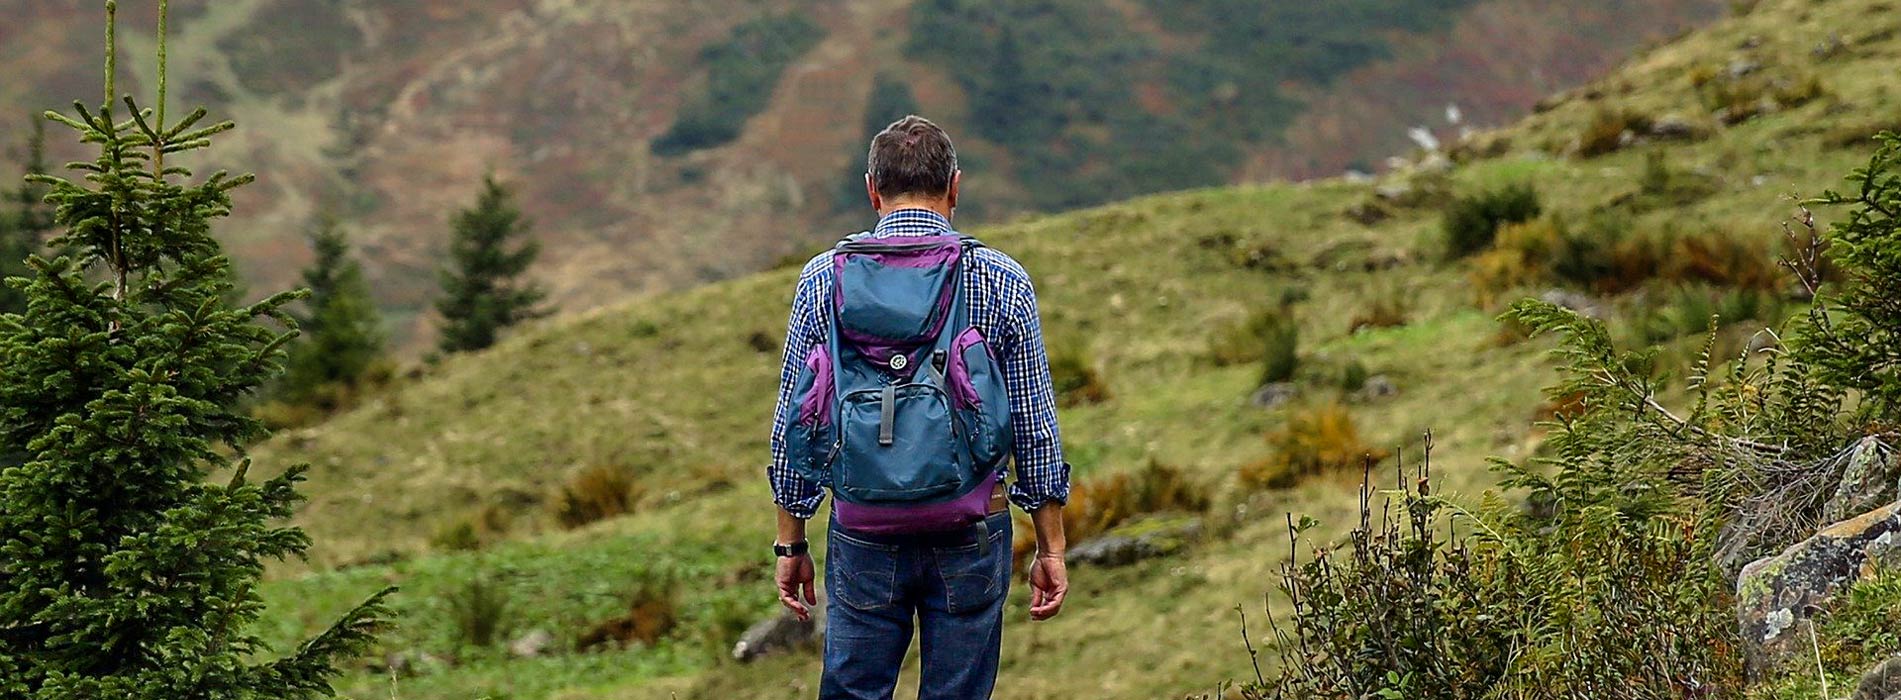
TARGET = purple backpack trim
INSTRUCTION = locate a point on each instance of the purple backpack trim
(919, 253)
(815, 406)
(961, 512)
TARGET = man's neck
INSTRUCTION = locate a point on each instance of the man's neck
(942, 208)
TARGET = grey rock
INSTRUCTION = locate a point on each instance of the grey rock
(1398, 192)
(1776, 595)
(1378, 386)
(1742, 66)
(1145, 538)
(781, 633)
(1676, 127)
(1883, 682)
(1868, 481)
(531, 645)
(1274, 395)
(1584, 304)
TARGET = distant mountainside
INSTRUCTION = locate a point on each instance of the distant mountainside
(663, 143)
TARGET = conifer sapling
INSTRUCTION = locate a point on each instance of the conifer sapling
(123, 572)
(483, 286)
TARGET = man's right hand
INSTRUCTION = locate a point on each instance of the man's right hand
(1049, 584)
(796, 592)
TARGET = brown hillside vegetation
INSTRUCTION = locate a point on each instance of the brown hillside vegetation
(395, 110)
(1157, 297)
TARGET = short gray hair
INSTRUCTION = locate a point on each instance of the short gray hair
(912, 156)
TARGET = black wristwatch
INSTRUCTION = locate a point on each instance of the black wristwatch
(796, 549)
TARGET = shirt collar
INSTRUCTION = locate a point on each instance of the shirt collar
(911, 222)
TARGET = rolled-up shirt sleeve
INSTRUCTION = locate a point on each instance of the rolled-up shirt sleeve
(796, 494)
(1042, 475)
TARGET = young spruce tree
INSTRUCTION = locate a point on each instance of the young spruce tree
(24, 223)
(123, 573)
(483, 286)
(342, 333)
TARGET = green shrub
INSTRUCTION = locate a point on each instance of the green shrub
(1262, 333)
(1593, 603)
(1471, 224)
(1353, 377)
(480, 611)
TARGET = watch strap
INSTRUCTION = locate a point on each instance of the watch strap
(791, 550)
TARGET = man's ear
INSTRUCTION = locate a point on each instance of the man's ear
(871, 190)
(957, 180)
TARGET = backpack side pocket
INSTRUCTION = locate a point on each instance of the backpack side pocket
(983, 402)
(810, 435)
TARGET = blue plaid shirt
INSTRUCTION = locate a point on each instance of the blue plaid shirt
(1002, 306)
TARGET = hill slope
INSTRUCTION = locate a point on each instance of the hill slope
(661, 144)
(677, 388)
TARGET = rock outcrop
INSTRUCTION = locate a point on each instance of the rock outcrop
(1868, 482)
(1776, 595)
(782, 633)
(1144, 538)
(1883, 682)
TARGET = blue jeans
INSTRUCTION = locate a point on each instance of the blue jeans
(953, 585)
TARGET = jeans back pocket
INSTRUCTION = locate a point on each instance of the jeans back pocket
(861, 575)
(975, 576)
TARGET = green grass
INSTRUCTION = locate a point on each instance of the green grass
(670, 387)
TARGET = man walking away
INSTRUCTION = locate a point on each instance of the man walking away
(914, 375)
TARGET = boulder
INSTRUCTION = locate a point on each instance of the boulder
(781, 633)
(531, 645)
(1584, 304)
(1776, 595)
(1378, 386)
(1275, 395)
(1144, 538)
(1867, 482)
(1883, 682)
(1676, 128)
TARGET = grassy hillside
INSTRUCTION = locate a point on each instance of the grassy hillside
(676, 389)
(663, 144)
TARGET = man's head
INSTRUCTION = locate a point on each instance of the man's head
(912, 164)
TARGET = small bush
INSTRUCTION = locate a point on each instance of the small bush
(1726, 260)
(1099, 504)
(480, 611)
(1688, 309)
(1353, 377)
(1076, 379)
(1517, 260)
(471, 533)
(1249, 339)
(1596, 607)
(652, 613)
(1389, 308)
(1313, 440)
(596, 493)
(1471, 224)
(1610, 130)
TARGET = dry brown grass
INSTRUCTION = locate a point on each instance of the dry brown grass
(1098, 505)
(652, 613)
(596, 493)
(1314, 440)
